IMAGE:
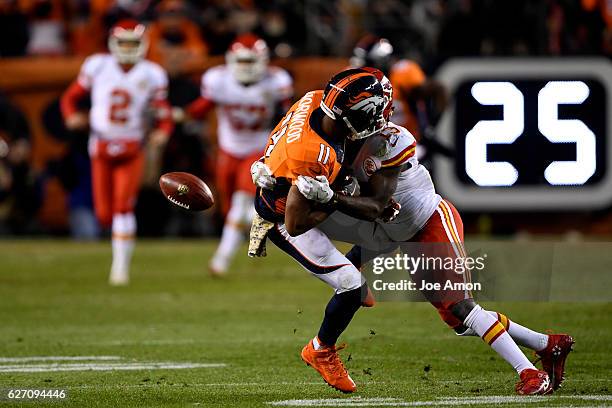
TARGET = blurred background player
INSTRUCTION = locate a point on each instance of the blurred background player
(418, 101)
(125, 91)
(249, 96)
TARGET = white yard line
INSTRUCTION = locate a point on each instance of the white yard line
(169, 365)
(57, 358)
(192, 385)
(447, 401)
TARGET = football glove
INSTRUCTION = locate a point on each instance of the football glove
(258, 235)
(391, 211)
(262, 176)
(351, 188)
(316, 189)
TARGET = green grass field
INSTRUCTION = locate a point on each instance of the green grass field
(54, 301)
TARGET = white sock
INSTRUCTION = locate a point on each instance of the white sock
(521, 334)
(231, 238)
(316, 344)
(494, 334)
(124, 231)
(238, 220)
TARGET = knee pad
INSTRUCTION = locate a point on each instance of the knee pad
(448, 318)
(464, 331)
(463, 308)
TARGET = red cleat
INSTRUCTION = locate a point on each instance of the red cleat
(554, 355)
(533, 382)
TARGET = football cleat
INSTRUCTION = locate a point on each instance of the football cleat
(119, 277)
(533, 382)
(327, 362)
(217, 268)
(554, 355)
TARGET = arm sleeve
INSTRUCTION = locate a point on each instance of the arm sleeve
(70, 99)
(199, 108)
(159, 101)
(283, 86)
(209, 86)
(88, 71)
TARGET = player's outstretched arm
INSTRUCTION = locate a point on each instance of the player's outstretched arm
(73, 118)
(300, 213)
(382, 186)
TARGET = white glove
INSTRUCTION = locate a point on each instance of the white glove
(178, 114)
(316, 189)
(262, 176)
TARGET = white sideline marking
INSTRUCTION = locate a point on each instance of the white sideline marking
(56, 358)
(446, 401)
(170, 365)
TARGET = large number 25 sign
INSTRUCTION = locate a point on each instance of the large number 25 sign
(530, 134)
(510, 128)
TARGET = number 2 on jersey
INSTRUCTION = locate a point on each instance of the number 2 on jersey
(120, 102)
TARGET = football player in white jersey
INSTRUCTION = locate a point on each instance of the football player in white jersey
(125, 89)
(249, 97)
(386, 166)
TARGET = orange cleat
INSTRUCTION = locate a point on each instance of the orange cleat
(533, 382)
(554, 355)
(327, 362)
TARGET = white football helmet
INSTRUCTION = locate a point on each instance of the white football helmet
(248, 58)
(127, 42)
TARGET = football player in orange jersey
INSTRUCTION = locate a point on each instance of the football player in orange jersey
(425, 218)
(310, 141)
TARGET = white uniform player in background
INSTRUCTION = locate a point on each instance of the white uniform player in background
(249, 96)
(125, 89)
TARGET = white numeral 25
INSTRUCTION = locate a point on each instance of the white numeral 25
(507, 130)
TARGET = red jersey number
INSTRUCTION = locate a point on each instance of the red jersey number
(120, 103)
(247, 117)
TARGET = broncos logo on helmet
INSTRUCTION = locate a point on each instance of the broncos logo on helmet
(369, 103)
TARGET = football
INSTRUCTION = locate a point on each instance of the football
(186, 191)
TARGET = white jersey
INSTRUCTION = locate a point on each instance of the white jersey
(119, 99)
(245, 113)
(395, 146)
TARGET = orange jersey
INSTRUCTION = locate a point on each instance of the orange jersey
(405, 75)
(296, 149)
